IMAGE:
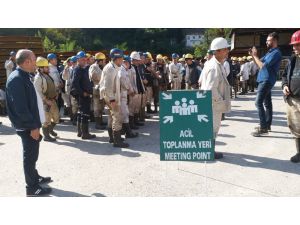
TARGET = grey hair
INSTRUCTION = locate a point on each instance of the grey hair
(22, 55)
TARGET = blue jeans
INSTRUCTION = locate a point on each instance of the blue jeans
(30, 157)
(263, 104)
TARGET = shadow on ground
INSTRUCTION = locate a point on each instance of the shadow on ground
(261, 162)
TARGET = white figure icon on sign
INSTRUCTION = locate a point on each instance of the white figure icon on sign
(186, 108)
(176, 107)
(193, 108)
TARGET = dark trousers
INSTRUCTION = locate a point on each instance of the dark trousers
(84, 105)
(30, 157)
(263, 103)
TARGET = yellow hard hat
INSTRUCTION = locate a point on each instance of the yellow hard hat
(234, 58)
(41, 62)
(88, 55)
(159, 56)
(181, 60)
(149, 56)
(241, 59)
(188, 56)
(100, 56)
(249, 57)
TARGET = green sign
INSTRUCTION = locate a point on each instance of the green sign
(186, 126)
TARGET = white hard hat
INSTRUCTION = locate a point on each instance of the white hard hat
(219, 43)
(135, 55)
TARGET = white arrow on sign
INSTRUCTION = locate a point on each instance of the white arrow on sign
(203, 117)
(167, 96)
(201, 94)
(168, 119)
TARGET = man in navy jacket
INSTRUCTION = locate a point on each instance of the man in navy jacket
(24, 113)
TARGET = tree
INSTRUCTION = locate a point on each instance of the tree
(209, 35)
(69, 46)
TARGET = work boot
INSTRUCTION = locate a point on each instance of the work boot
(110, 134)
(123, 130)
(218, 155)
(51, 131)
(85, 132)
(79, 130)
(47, 136)
(128, 131)
(155, 108)
(74, 119)
(136, 120)
(103, 124)
(118, 141)
(223, 117)
(98, 125)
(92, 118)
(66, 113)
(296, 158)
(143, 115)
(149, 109)
(131, 123)
(69, 110)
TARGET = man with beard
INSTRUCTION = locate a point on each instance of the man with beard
(266, 79)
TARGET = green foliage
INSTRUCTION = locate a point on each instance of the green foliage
(68, 46)
(122, 46)
(209, 35)
(155, 40)
(49, 46)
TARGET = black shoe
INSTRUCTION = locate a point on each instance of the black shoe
(260, 132)
(218, 155)
(44, 180)
(296, 158)
(37, 191)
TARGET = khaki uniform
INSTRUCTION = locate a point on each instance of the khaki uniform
(95, 76)
(134, 104)
(293, 115)
(214, 78)
(9, 66)
(175, 76)
(110, 90)
(126, 89)
(66, 75)
(46, 88)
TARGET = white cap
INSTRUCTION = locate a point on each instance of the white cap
(135, 55)
(219, 43)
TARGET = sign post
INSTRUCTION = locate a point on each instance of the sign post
(186, 126)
